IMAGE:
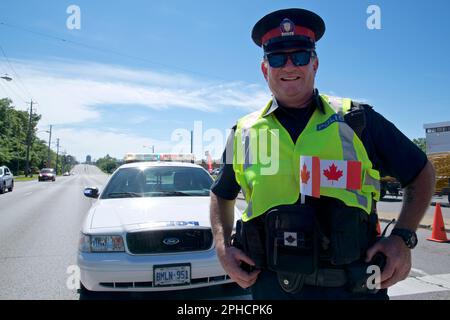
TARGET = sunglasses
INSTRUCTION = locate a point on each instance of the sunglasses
(298, 58)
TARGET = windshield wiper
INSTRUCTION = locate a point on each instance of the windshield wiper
(174, 193)
(124, 195)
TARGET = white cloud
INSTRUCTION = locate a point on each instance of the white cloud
(98, 143)
(68, 92)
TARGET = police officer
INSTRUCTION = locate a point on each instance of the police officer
(315, 245)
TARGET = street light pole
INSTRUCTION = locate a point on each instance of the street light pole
(27, 162)
(57, 152)
(49, 165)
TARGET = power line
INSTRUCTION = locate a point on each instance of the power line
(125, 55)
(16, 74)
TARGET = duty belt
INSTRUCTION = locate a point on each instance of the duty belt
(331, 278)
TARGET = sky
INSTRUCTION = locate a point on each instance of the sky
(141, 75)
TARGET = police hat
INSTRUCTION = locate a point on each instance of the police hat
(288, 29)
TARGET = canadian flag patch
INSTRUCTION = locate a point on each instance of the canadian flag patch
(310, 176)
(340, 174)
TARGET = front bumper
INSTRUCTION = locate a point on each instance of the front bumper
(46, 178)
(125, 272)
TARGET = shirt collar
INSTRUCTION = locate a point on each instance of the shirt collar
(315, 99)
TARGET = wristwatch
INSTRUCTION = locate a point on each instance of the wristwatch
(408, 236)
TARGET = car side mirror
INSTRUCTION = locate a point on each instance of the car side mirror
(91, 192)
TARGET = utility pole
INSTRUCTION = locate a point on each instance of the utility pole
(153, 148)
(57, 151)
(49, 160)
(192, 141)
(27, 162)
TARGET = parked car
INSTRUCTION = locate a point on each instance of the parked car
(150, 230)
(6, 180)
(65, 174)
(47, 174)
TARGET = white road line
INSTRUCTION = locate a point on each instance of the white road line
(421, 272)
(416, 285)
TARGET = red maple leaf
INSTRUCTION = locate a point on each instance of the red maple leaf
(332, 173)
(304, 174)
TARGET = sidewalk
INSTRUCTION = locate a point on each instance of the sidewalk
(389, 208)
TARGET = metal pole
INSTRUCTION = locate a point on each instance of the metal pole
(49, 160)
(27, 162)
(153, 148)
(57, 151)
(192, 141)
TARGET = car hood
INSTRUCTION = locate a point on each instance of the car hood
(131, 214)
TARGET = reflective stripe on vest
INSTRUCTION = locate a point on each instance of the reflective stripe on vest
(326, 136)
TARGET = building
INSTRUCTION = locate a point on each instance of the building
(437, 137)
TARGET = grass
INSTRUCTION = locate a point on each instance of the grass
(23, 178)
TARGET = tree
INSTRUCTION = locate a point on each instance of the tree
(107, 164)
(13, 139)
(421, 143)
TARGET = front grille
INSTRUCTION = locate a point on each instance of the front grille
(149, 242)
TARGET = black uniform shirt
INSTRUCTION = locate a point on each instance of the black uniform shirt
(391, 152)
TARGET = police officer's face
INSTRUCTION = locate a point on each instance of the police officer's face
(291, 85)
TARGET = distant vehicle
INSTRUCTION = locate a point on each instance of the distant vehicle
(6, 180)
(47, 174)
(66, 174)
(149, 230)
(389, 185)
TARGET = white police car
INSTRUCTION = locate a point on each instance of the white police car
(149, 230)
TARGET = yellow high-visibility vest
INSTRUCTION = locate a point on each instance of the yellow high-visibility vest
(267, 162)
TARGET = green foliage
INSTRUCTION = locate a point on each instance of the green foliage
(14, 137)
(107, 164)
(421, 143)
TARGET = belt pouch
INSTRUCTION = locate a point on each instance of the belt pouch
(292, 239)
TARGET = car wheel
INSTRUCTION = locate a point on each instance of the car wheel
(85, 294)
(10, 189)
(2, 188)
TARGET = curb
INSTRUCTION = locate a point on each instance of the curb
(421, 226)
(443, 204)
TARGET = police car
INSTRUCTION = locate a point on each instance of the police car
(149, 230)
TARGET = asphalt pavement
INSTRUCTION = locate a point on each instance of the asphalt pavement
(39, 231)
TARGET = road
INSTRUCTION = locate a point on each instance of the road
(39, 229)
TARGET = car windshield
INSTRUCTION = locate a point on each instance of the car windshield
(158, 182)
(47, 171)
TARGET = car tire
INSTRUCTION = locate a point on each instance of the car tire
(85, 294)
(10, 189)
(2, 188)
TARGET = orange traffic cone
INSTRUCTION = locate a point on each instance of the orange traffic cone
(378, 228)
(438, 234)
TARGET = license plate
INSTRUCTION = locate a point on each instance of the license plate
(171, 275)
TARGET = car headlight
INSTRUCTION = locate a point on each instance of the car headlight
(101, 243)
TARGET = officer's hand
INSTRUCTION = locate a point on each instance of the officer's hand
(398, 259)
(230, 258)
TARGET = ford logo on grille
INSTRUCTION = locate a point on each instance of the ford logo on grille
(171, 241)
